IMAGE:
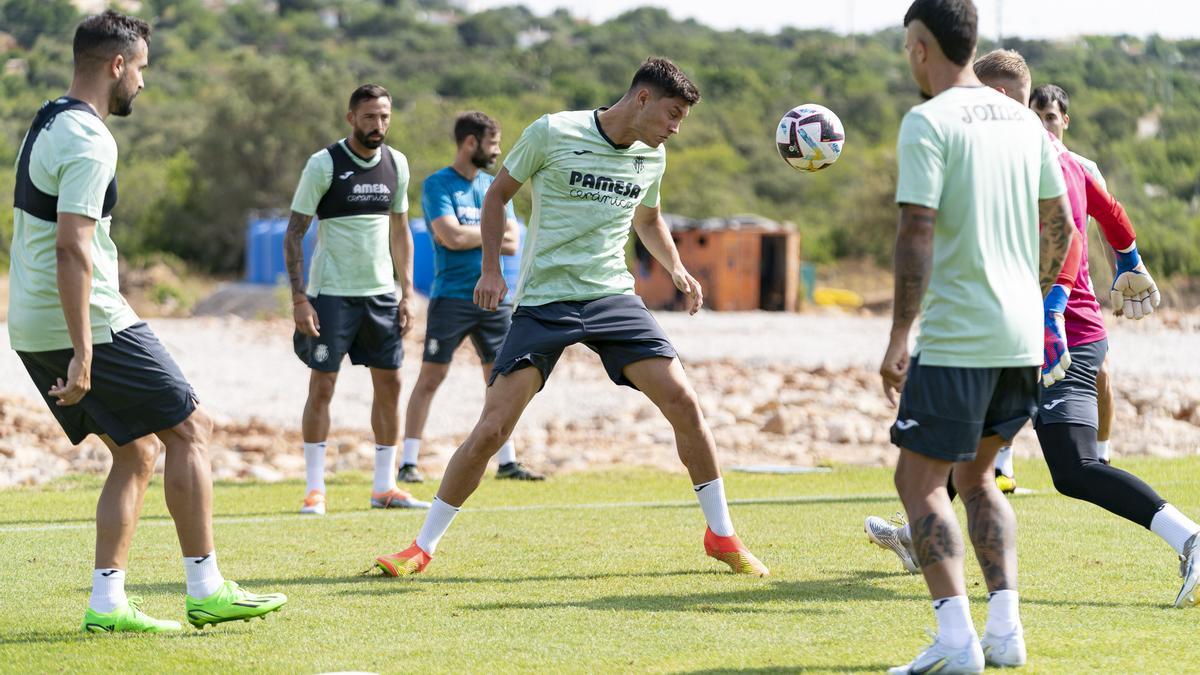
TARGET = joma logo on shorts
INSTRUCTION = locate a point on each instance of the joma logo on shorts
(605, 184)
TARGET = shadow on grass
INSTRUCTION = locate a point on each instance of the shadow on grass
(760, 599)
(789, 669)
(60, 637)
(376, 581)
(502, 508)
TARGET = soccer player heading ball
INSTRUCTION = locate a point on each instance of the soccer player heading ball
(594, 173)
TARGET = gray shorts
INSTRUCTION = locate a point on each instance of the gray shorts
(367, 328)
(1072, 400)
(945, 411)
(619, 328)
(451, 319)
(137, 388)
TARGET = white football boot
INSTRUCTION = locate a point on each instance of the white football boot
(1004, 651)
(887, 535)
(1189, 569)
(944, 660)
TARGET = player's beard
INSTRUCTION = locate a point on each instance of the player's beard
(483, 160)
(120, 102)
(371, 140)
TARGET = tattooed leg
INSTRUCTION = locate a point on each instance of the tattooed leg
(990, 518)
(937, 540)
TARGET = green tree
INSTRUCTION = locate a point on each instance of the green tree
(26, 20)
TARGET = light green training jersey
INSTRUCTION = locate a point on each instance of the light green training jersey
(353, 255)
(75, 159)
(983, 161)
(1092, 168)
(585, 190)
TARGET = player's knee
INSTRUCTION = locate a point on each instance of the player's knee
(142, 457)
(320, 391)
(1070, 481)
(968, 481)
(489, 435)
(388, 388)
(197, 429)
(682, 408)
(429, 381)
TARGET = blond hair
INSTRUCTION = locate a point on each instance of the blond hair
(1002, 64)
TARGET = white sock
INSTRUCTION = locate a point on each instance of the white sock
(905, 534)
(203, 577)
(412, 449)
(314, 465)
(385, 467)
(716, 510)
(1174, 527)
(1004, 461)
(1003, 616)
(108, 590)
(954, 621)
(437, 521)
(508, 453)
(1102, 450)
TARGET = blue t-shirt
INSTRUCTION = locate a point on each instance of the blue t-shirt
(448, 193)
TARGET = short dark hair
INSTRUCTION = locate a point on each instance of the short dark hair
(103, 36)
(954, 25)
(1046, 94)
(368, 92)
(659, 73)
(475, 124)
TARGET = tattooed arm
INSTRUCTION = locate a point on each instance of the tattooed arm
(1058, 229)
(293, 254)
(913, 266)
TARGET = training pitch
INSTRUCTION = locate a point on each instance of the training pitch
(590, 572)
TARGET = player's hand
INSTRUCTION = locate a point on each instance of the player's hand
(404, 315)
(894, 369)
(1056, 358)
(690, 288)
(306, 318)
(490, 290)
(78, 384)
(1134, 293)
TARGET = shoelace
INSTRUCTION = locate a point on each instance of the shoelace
(899, 520)
(135, 603)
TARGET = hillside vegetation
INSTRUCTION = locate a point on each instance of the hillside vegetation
(240, 93)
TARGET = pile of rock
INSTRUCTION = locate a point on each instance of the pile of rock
(758, 413)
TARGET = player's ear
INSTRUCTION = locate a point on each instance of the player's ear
(350, 116)
(1066, 121)
(116, 66)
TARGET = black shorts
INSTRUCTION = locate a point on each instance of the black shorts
(137, 388)
(366, 327)
(451, 319)
(619, 328)
(945, 411)
(1072, 400)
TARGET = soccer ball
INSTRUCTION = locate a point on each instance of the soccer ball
(810, 137)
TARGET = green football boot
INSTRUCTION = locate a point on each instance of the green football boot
(231, 603)
(127, 619)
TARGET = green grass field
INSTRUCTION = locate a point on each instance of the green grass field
(589, 572)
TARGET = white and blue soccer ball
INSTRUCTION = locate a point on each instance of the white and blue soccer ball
(810, 137)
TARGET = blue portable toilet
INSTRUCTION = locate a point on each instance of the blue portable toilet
(423, 270)
(265, 263)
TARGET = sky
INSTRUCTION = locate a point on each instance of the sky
(1014, 18)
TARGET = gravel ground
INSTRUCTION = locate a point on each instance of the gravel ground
(777, 388)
